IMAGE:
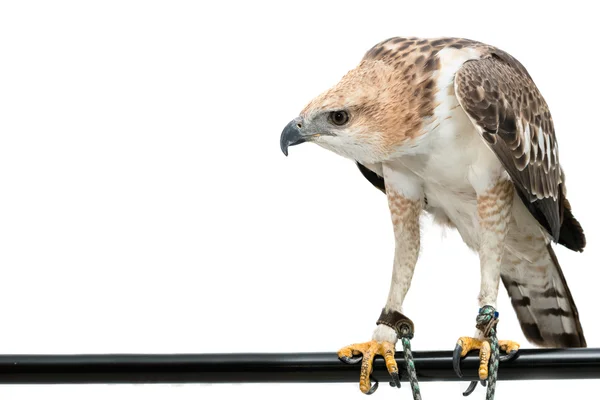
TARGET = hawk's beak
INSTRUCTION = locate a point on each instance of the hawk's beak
(292, 135)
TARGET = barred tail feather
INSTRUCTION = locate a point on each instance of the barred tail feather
(542, 300)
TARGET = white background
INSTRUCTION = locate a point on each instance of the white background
(145, 206)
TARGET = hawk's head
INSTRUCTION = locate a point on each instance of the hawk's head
(365, 117)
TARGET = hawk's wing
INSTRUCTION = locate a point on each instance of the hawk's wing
(512, 117)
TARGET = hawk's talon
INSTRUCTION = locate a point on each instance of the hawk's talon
(395, 380)
(374, 386)
(351, 360)
(509, 356)
(456, 356)
(470, 389)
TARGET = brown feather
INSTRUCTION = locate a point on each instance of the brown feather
(519, 114)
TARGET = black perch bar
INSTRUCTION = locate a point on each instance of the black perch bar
(286, 367)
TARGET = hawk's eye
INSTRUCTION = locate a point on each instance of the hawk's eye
(338, 117)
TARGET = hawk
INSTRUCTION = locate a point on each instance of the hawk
(457, 129)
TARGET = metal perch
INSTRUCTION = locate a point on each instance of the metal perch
(285, 367)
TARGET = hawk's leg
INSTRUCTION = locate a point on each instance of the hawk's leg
(404, 195)
(494, 213)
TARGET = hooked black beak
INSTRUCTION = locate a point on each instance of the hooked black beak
(292, 135)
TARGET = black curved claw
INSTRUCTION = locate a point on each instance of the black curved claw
(456, 360)
(509, 356)
(351, 360)
(470, 389)
(395, 380)
(374, 386)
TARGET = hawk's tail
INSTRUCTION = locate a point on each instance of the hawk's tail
(542, 299)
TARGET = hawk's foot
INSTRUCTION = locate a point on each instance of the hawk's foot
(366, 352)
(466, 344)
